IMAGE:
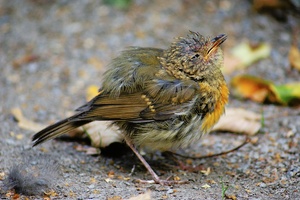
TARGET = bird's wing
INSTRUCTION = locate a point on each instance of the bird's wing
(161, 100)
(171, 98)
(105, 107)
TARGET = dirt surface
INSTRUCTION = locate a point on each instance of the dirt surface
(50, 52)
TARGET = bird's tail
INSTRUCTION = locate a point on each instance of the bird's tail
(56, 130)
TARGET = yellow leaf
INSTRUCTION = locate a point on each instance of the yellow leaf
(248, 54)
(91, 92)
(25, 123)
(244, 55)
(294, 57)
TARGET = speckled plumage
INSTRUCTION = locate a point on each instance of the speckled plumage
(159, 98)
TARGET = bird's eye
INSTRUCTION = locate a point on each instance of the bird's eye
(195, 56)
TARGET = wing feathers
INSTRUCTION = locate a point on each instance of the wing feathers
(56, 129)
(164, 100)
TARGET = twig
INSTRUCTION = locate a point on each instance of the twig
(247, 140)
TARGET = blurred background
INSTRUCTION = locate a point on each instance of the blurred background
(53, 53)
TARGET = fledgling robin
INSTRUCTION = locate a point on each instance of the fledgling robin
(160, 99)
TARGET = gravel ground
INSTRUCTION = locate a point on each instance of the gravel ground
(70, 44)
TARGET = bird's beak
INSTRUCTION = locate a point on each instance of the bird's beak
(216, 42)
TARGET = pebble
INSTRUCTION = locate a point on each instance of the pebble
(170, 191)
(262, 185)
(91, 186)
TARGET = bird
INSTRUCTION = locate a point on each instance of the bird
(160, 99)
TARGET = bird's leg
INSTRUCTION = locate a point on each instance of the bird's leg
(155, 177)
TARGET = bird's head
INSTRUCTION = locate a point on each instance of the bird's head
(193, 57)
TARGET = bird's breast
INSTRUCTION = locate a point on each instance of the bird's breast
(218, 100)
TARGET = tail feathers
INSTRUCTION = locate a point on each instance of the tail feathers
(56, 130)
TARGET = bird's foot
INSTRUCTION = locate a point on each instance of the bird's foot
(155, 177)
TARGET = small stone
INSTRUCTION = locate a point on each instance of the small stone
(263, 185)
(91, 186)
(170, 191)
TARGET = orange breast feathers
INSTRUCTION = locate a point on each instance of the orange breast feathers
(211, 118)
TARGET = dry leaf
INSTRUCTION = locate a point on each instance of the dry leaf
(108, 180)
(238, 120)
(294, 57)
(2, 174)
(114, 198)
(93, 180)
(145, 196)
(111, 174)
(248, 54)
(262, 91)
(50, 193)
(211, 181)
(28, 58)
(231, 196)
(252, 88)
(91, 92)
(25, 123)
(205, 186)
(244, 55)
(206, 172)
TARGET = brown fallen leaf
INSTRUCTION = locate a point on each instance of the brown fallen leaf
(257, 92)
(28, 58)
(50, 194)
(238, 120)
(206, 172)
(294, 57)
(25, 123)
(145, 196)
(231, 196)
(265, 91)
